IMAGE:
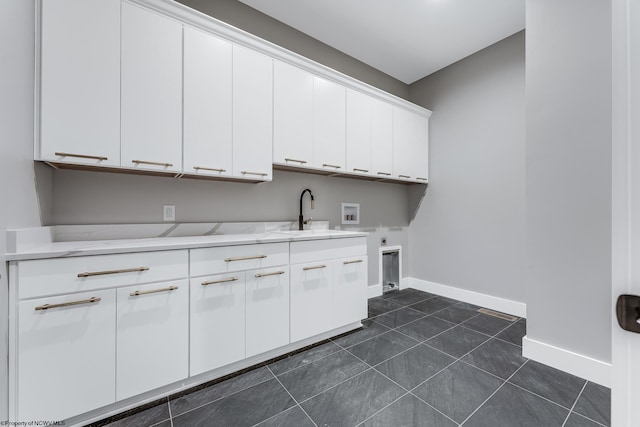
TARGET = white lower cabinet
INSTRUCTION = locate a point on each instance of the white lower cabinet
(66, 355)
(152, 336)
(267, 305)
(217, 321)
(328, 285)
(311, 299)
(350, 291)
(136, 327)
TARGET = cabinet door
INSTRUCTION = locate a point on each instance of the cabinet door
(252, 114)
(66, 355)
(292, 115)
(152, 336)
(151, 90)
(350, 291)
(358, 144)
(421, 149)
(328, 125)
(80, 81)
(217, 321)
(267, 305)
(381, 138)
(410, 145)
(207, 104)
(311, 299)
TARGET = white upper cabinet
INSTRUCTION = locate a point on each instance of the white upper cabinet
(410, 145)
(328, 125)
(252, 114)
(208, 140)
(163, 92)
(369, 135)
(151, 90)
(381, 139)
(292, 115)
(359, 126)
(80, 82)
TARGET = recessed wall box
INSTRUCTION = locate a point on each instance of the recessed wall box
(350, 213)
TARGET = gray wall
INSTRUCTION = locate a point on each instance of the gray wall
(106, 198)
(470, 229)
(19, 206)
(569, 174)
(246, 18)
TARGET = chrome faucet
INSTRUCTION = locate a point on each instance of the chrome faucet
(301, 220)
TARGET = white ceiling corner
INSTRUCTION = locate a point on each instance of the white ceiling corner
(406, 39)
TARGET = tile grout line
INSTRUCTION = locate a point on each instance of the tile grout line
(170, 415)
(294, 399)
(308, 363)
(492, 394)
(584, 416)
(539, 395)
(381, 409)
(225, 396)
(431, 406)
(408, 391)
(575, 403)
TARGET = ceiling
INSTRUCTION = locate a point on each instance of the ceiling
(406, 39)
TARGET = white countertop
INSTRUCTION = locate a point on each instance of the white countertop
(37, 243)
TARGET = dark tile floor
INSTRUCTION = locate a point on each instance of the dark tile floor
(419, 360)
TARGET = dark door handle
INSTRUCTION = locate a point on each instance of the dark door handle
(628, 312)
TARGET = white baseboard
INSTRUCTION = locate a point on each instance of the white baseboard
(576, 364)
(494, 303)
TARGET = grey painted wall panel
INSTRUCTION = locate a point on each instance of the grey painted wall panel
(569, 175)
(469, 231)
(19, 206)
(255, 22)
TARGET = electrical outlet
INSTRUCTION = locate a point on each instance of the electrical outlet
(383, 241)
(169, 212)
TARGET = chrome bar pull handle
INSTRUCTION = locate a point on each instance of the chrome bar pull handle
(360, 170)
(421, 179)
(254, 173)
(200, 168)
(327, 165)
(213, 282)
(404, 176)
(315, 267)
(153, 291)
(294, 160)
(276, 273)
(353, 262)
(67, 304)
(81, 156)
(144, 162)
(244, 258)
(102, 273)
(384, 173)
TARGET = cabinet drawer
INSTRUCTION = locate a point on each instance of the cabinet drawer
(317, 250)
(77, 274)
(236, 258)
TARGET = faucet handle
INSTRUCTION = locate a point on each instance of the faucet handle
(307, 221)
